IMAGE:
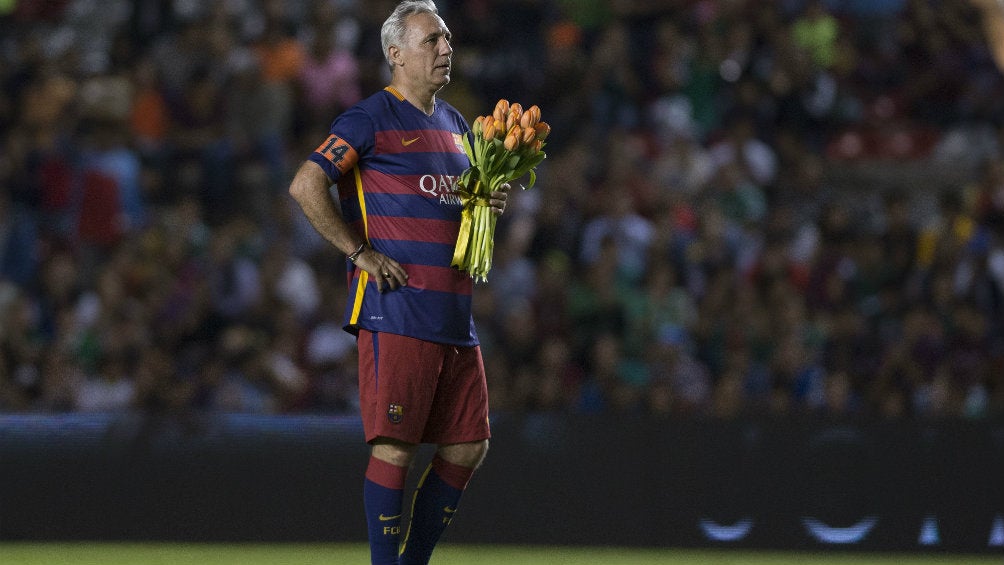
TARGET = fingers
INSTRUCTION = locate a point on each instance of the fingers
(499, 198)
(385, 272)
(391, 277)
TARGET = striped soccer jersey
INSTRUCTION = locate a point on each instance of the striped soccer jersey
(396, 170)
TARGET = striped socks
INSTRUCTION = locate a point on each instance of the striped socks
(432, 509)
(383, 495)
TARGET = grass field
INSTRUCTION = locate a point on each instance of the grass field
(351, 554)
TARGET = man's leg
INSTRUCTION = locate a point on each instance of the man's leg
(383, 496)
(437, 497)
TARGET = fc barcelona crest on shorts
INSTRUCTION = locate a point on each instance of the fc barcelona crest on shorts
(395, 413)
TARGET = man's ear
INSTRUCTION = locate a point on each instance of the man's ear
(394, 54)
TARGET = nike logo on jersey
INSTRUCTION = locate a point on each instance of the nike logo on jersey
(407, 142)
(383, 518)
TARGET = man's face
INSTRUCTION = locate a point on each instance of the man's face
(426, 52)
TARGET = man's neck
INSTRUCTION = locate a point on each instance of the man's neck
(424, 101)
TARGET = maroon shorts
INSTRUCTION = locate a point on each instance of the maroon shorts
(421, 392)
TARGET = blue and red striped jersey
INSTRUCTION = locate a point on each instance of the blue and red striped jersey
(396, 169)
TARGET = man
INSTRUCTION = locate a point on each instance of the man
(396, 157)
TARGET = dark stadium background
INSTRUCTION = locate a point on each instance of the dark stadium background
(757, 293)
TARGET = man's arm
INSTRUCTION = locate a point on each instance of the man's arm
(311, 190)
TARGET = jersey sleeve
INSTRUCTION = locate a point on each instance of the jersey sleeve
(351, 135)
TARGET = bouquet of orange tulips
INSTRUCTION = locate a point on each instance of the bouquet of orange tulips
(502, 147)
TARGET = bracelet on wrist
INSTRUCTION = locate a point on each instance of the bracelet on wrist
(355, 254)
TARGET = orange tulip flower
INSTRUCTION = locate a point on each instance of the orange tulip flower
(528, 134)
(501, 109)
(489, 130)
(543, 130)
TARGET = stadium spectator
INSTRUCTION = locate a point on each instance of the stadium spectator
(717, 190)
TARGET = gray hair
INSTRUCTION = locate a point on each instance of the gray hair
(393, 30)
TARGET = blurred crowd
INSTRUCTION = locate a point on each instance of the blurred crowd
(687, 251)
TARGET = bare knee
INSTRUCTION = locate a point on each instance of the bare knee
(469, 454)
(394, 452)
